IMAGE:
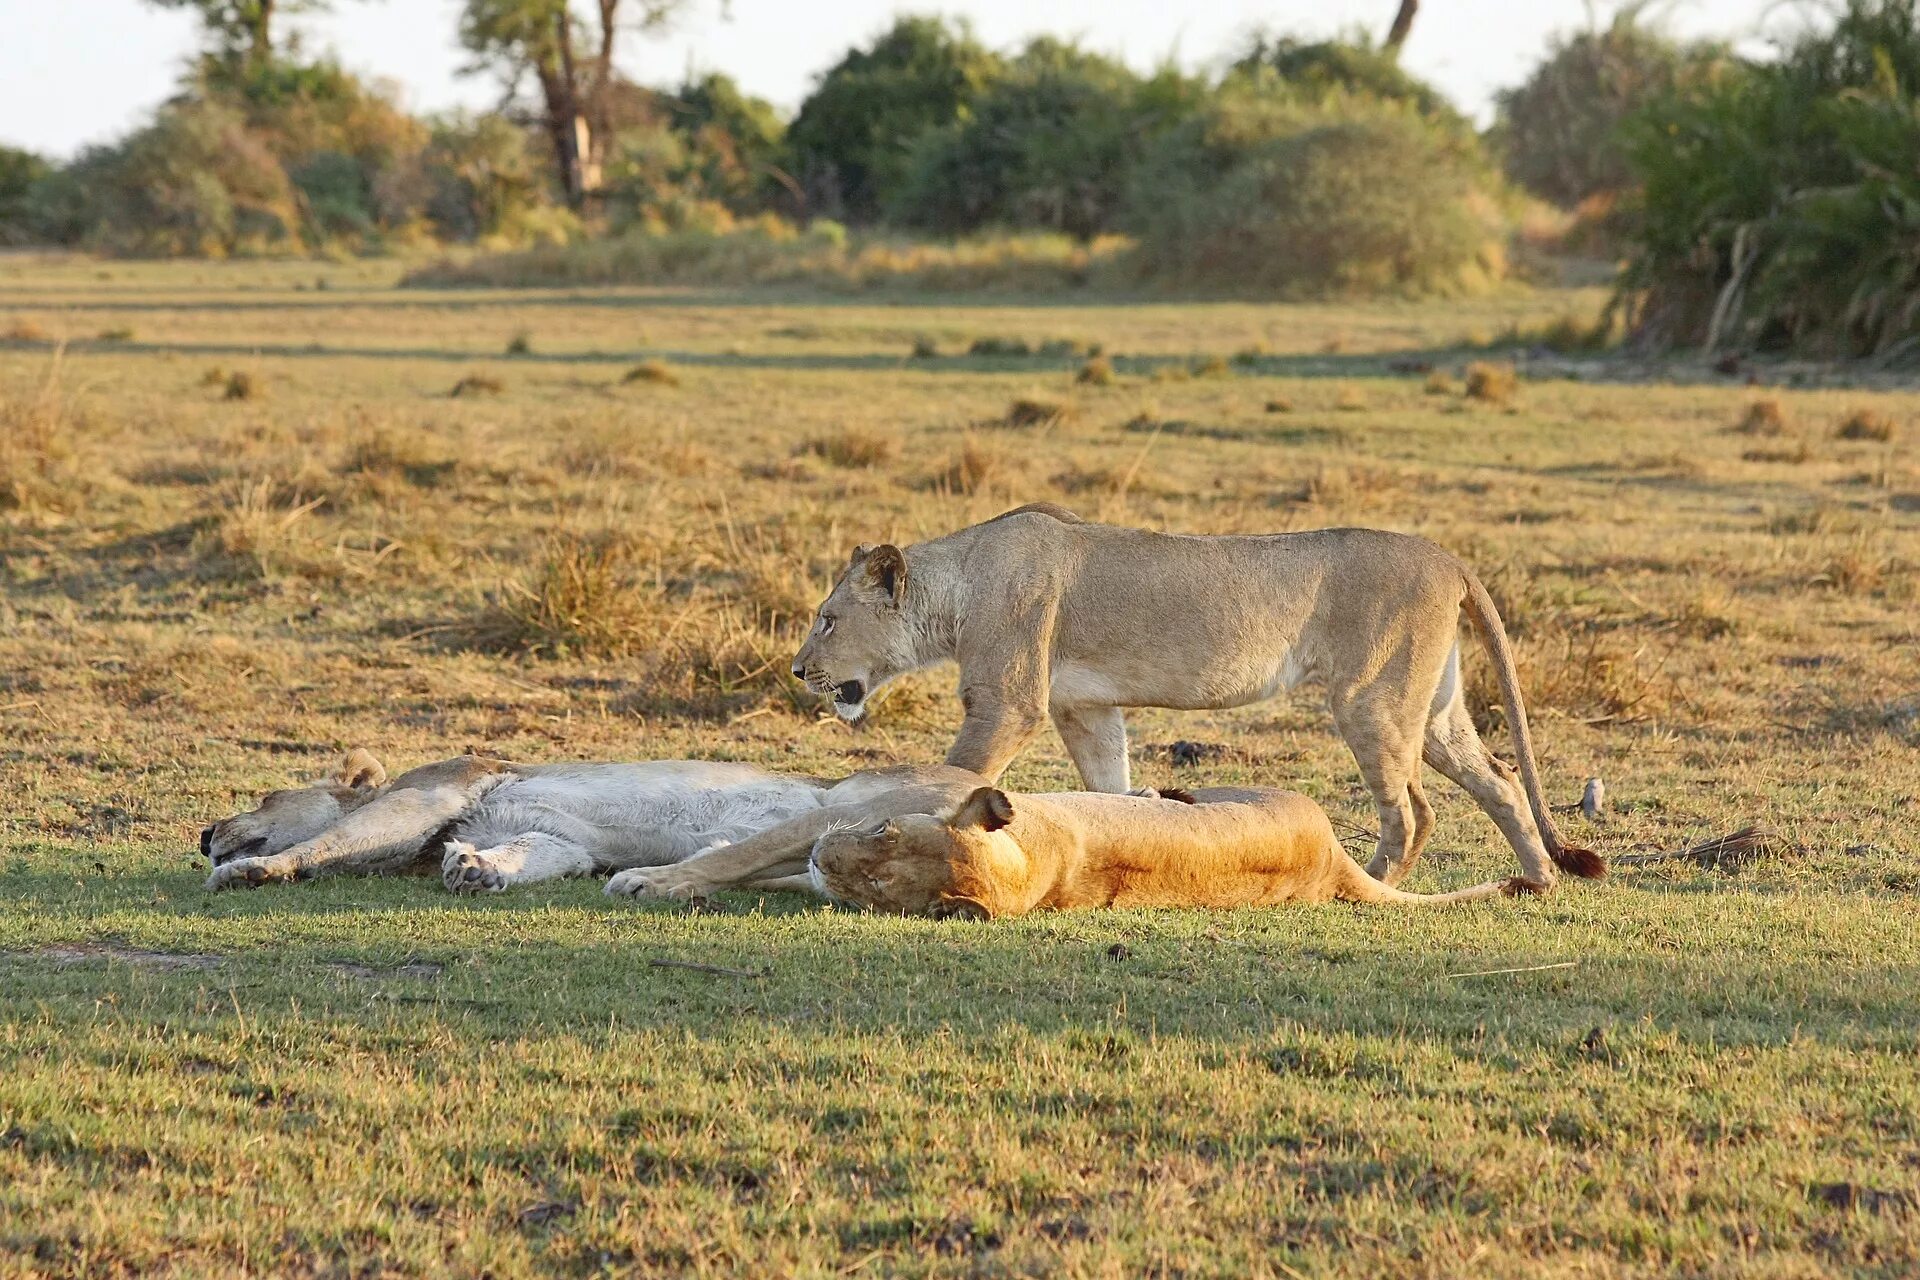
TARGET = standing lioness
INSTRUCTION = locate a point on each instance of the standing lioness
(1048, 615)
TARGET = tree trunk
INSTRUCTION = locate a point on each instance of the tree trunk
(1402, 24)
(259, 21)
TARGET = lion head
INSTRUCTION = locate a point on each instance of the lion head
(960, 865)
(862, 636)
(290, 817)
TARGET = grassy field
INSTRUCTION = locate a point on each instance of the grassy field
(245, 525)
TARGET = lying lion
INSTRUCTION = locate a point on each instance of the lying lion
(486, 824)
(996, 856)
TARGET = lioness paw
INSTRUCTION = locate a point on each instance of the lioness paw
(466, 870)
(249, 873)
(654, 882)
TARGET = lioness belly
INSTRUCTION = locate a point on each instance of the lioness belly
(1223, 680)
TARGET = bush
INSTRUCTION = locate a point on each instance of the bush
(1319, 71)
(19, 172)
(1050, 144)
(1782, 205)
(1262, 193)
(849, 142)
(1558, 132)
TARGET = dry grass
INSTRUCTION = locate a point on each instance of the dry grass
(854, 447)
(1040, 411)
(1350, 399)
(477, 384)
(1491, 382)
(242, 385)
(1440, 383)
(602, 575)
(43, 467)
(654, 372)
(520, 344)
(1279, 404)
(1764, 417)
(1866, 424)
(23, 331)
(1097, 372)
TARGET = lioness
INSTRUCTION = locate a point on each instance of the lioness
(487, 823)
(997, 855)
(1048, 615)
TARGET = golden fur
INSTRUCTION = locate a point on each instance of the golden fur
(1052, 617)
(1000, 855)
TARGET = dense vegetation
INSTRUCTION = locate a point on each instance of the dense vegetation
(1765, 204)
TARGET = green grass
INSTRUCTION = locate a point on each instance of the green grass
(360, 1077)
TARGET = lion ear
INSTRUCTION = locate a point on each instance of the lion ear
(887, 570)
(361, 770)
(988, 809)
(860, 553)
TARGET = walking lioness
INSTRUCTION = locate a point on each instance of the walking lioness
(1000, 855)
(1048, 615)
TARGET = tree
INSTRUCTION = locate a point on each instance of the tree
(851, 140)
(1402, 24)
(242, 30)
(572, 60)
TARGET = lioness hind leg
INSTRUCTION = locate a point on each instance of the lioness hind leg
(521, 860)
(1454, 748)
(1389, 763)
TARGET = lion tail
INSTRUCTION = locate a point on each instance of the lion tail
(1493, 634)
(1357, 886)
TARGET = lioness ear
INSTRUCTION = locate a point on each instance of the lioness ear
(887, 570)
(361, 770)
(988, 808)
(860, 553)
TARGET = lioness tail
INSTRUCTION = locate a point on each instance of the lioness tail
(1486, 620)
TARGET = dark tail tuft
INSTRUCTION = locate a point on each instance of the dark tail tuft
(1177, 793)
(1520, 887)
(1576, 861)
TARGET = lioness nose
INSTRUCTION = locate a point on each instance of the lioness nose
(799, 672)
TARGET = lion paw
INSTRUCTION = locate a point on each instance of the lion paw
(1145, 793)
(655, 882)
(465, 869)
(250, 873)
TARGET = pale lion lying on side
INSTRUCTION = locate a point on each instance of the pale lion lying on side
(998, 855)
(486, 824)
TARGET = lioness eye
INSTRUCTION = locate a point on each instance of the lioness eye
(826, 625)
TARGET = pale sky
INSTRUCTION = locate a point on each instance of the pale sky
(74, 72)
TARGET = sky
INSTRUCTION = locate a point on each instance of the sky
(78, 72)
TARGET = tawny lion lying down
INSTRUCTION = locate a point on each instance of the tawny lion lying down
(998, 855)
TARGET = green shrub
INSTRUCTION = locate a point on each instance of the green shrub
(1558, 133)
(850, 140)
(20, 171)
(1317, 71)
(1264, 193)
(1782, 202)
(1050, 144)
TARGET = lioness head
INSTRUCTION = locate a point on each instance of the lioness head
(960, 865)
(287, 818)
(861, 637)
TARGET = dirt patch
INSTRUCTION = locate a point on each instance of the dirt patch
(85, 952)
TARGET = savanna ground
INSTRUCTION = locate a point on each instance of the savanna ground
(249, 527)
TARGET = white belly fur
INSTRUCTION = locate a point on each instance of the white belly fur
(639, 814)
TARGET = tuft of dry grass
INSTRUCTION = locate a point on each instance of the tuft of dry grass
(1040, 411)
(1350, 399)
(977, 467)
(588, 596)
(1866, 424)
(1764, 417)
(657, 372)
(1213, 367)
(23, 331)
(1491, 382)
(1440, 383)
(119, 333)
(520, 344)
(854, 447)
(1279, 404)
(925, 348)
(1097, 372)
(1000, 347)
(41, 469)
(477, 384)
(242, 385)
(260, 532)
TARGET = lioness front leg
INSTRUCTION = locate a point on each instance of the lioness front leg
(777, 852)
(994, 732)
(386, 835)
(525, 859)
(1096, 739)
